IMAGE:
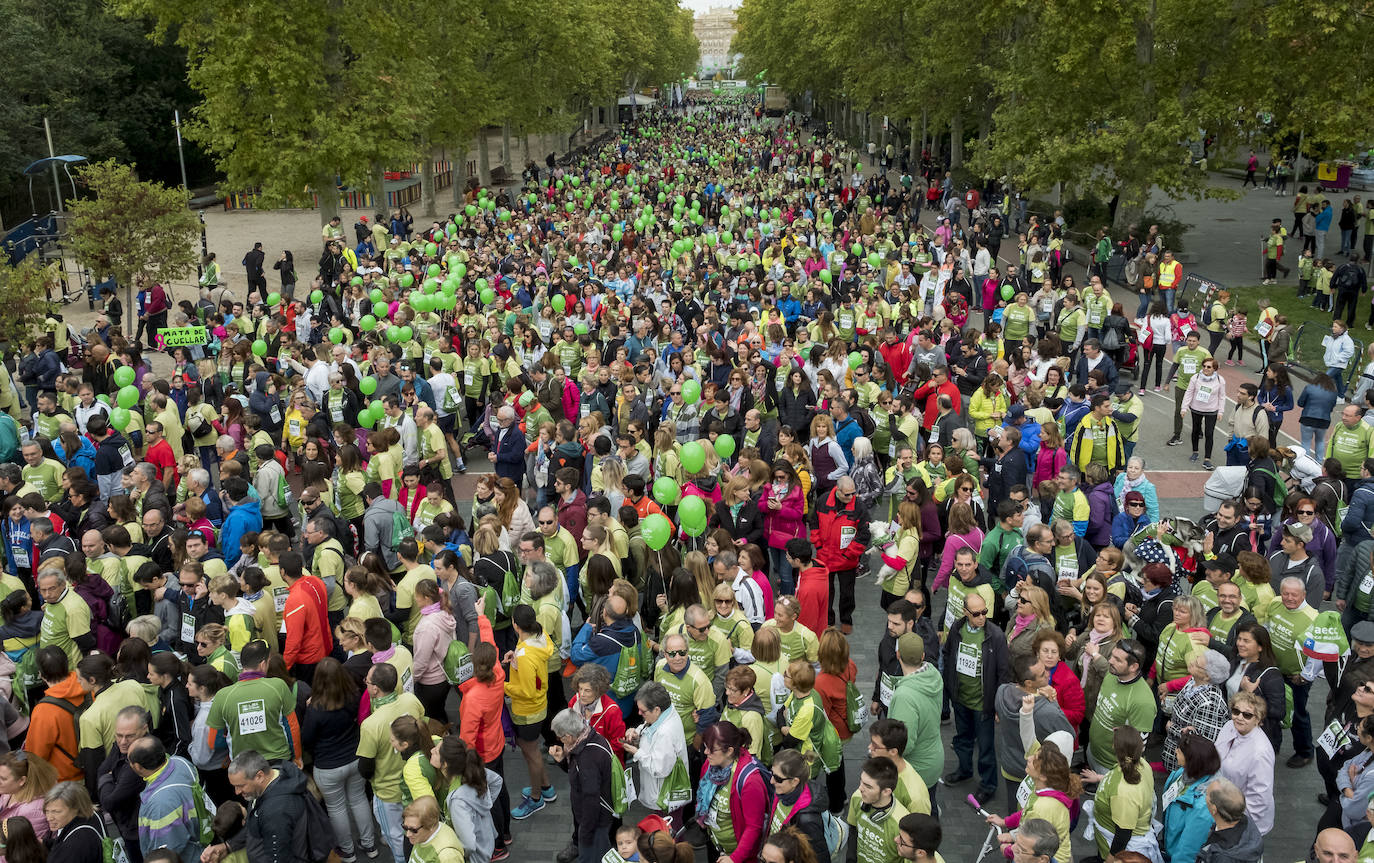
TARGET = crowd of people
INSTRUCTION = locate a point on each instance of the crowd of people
(731, 390)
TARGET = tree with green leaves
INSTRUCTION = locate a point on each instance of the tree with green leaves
(129, 227)
(25, 288)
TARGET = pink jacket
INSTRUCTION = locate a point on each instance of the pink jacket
(954, 542)
(572, 401)
(786, 522)
(432, 636)
(748, 809)
(1048, 464)
(1212, 402)
(31, 812)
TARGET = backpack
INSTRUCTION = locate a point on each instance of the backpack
(1280, 487)
(195, 422)
(1287, 697)
(622, 783)
(836, 832)
(285, 497)
(319, 831)
(26, 678)
(636, 665)
(1111, 339)
(400, 528)
(856, 708)
(75, 712)
(865, 421)
(457, 663)
(756, 766)
(1206, 313)
(1020, 567)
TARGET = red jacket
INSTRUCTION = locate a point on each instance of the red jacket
(161, 456)
(749, 800)
(841, 533)
(605, 719)
(813, 594)
(898, 357)
(932, 396)
(308, 639)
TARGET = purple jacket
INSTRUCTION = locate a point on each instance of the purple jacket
(1101, 499)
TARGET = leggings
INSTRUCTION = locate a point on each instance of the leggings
(1238, 345)
(1156, 356)
(500, 810)
(434, 696)
(1208, 419)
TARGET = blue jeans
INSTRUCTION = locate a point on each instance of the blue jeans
(777, 558)
(389, 821)
(1144, 306)
(571, 576)
(1129, 446)
(1337, 374)
(1169, 299)
(974, 728)
(1313, 439)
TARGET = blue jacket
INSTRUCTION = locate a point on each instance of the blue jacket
(1124, 527)
(1323, 220)
(12, 534)
(1107, 367)
(1030, 440)
(791, 309)
(84, 457)
(510, 457)
(1317, 404)
(1187, 823)
(845, 434)
(1359, 517)
(244, 518)
(603, 648)
(167, 812)
(1071, 413)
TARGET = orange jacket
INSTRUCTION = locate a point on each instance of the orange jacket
(480, 709)
(52, 730)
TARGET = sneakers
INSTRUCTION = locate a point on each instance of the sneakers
(1192, 457)
(1296, 761)
(500, 854)
(1173, 441)
(1230, 362)
(371, 853)
(548, 795)
(527, 807)
(1207, 465)
(1159, 389)
(954, 777)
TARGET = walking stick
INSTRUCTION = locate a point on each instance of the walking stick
(991, 839)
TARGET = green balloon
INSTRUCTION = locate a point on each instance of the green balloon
(127, 397)
(433, 269)
(725, 446)
(379, 309)
(368, 385)
(316, 296)
(124, 376)
(874, 259)
(1008, 292)
(450, 288)
(357, 280)
(580, 329)
(367, 323)
(857, 249)
(666, 490)
(856, 359)
(419, 302)
(365, 419)
(558, 303)
(727, 238)
(488, 296)
(103, 399)
(376, 294)
(471, 210)
(119, 418)
(336, 335)
(393, 333)
(460, 271)
(692, 513)
(572, 260)
(656, 530)
(431, 249)
(481, 284)
(826, 276)
(407, 334)
(260, 348)
(406, 281)
(691, 392)
(274, 299)
(693, 457)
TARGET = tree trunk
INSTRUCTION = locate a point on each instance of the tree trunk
(460, 176)
(483, 159)
(1130, 208)
(428, 206)
(328, 195)
(956, 140)
(914, 159)
(925, 123)
(505, 147)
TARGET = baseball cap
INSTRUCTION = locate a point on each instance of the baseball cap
(911, 650)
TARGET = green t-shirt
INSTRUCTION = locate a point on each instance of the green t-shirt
(1119, 703)
(328, 563)
(1350, 446)
(1287, 630)
(348, 501)
(98, 722)
(405, 595)
(1016, 322)
(46, 478)
(958, 592)
(1120, 804)
(911, 791)
(1206, 594)
(374, 741)
(719, 822)
(689, 693)
(254, 714)
(876, 830)
(1220, 627)
(64, 621)
(969, 667)
(1189, 362)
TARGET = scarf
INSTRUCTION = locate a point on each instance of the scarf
(1132, 484)
(711, 782)
(1022, 621)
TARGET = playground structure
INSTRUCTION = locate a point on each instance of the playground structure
(43, 235)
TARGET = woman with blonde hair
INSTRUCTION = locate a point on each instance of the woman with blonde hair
(700, 569)
(666, 450)
(826, 457)
(1088, 650)
(1032, 615)
(729, 621)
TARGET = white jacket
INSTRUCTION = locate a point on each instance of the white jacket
(661, 746)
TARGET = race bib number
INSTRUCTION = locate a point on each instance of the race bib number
(885, 689)
(968, 660)
(126, 455)
(279, 595)
(1332, 739)
(1204, 391)
(21, 557)
(1068, 568)
(1189, 365)
(293, 428)
(275, 414)
(1367, 583)
(188, 628)
(252, 717)
(407, 681)
(1023, 792)
(1094, 319)
(847, 535)
(1047, 306)
(1171, 794)
(336, 414)
(845, 320)
(467, 377)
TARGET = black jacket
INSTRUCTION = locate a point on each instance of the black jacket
(996, 662)
(887, 651)
(118, 789)
(80, 841)
(589, 785)
(202, 611)
(276, 829)
(175, 728)
(1004, 473)
(747, 524)
(1155, 614)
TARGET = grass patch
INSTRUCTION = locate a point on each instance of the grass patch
(1315, 323)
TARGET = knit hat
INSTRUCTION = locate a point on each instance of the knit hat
(1134, 497)
(1325, 639)
(911, 650)
(1061, 740)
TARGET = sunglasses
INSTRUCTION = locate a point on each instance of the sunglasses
(188, 586)
(1306, 512)
(202, 644)
(983, 613)
(725, 602)
(1134, 504)
(1243, 714)
(542, 521)
(674, 653)
(411, 830)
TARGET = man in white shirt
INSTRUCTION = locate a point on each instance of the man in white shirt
(747, 591)
(396, 417)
